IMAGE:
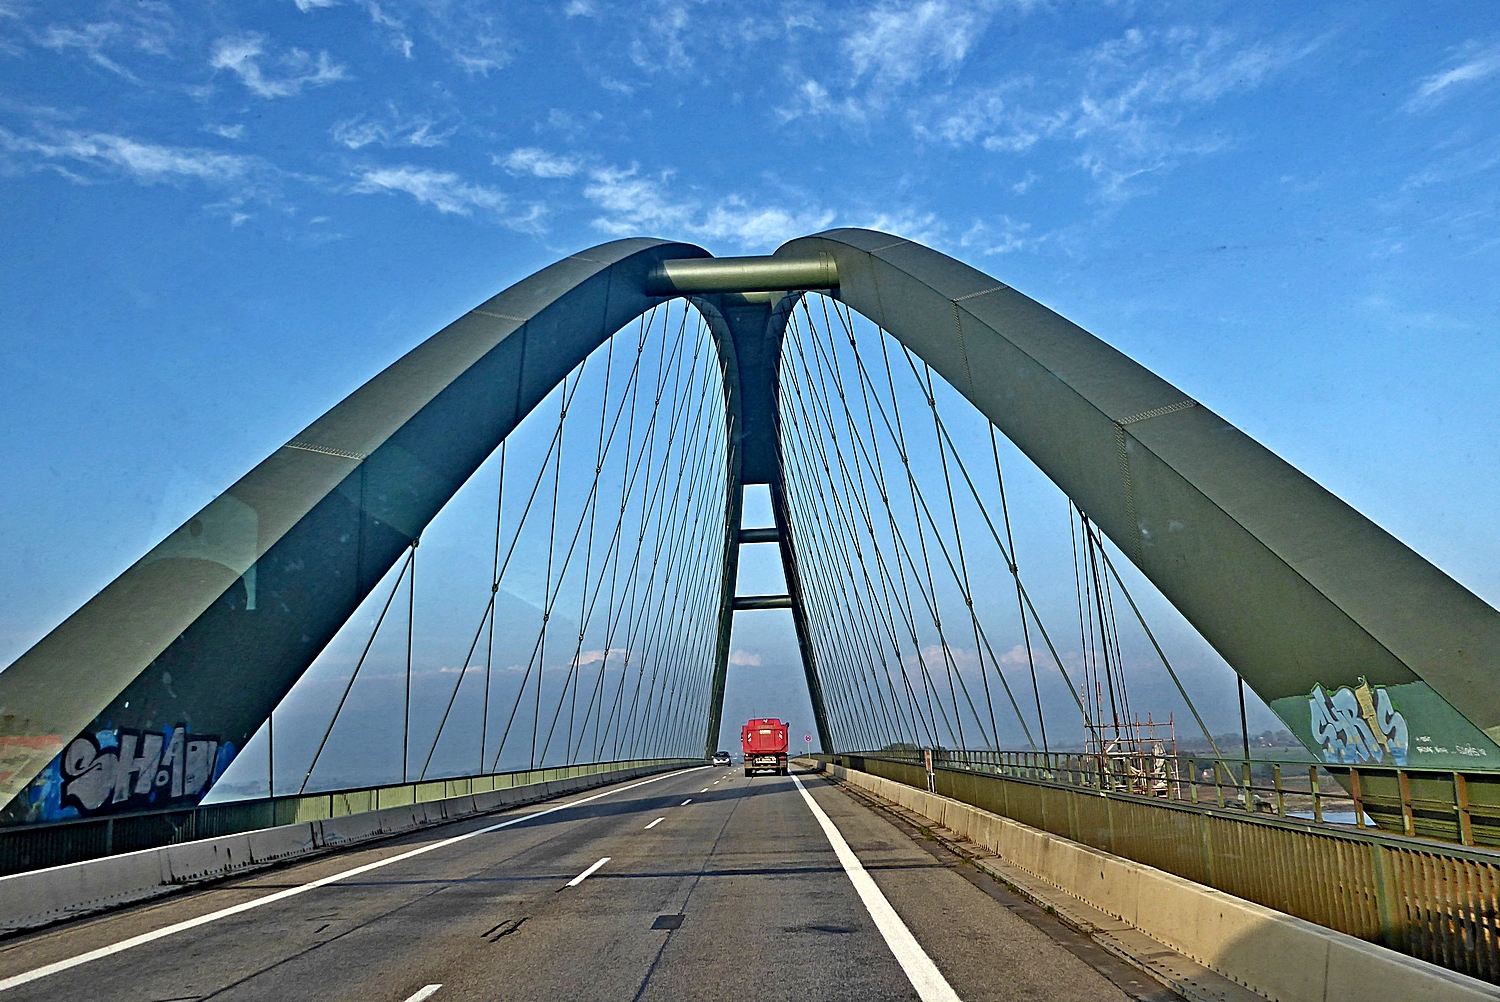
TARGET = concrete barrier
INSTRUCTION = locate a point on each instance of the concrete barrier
(1284, 958)
(42, 897)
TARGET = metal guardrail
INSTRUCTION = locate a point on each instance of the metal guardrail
(1462, 807)
(33, 847)
(1435, 901)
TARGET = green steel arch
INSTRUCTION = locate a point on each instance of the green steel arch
(1351, 637)
(1330, 619)
(212, 627)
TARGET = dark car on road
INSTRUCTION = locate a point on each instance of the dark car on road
(721, 758)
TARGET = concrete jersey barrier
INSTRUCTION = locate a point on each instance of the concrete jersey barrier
(1284, 958)
(42, 897)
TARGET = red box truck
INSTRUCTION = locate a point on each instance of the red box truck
(765, 746)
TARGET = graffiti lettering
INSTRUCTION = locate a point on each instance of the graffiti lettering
(119, 769)
(1358, 725)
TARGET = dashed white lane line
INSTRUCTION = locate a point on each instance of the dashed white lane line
(686, 802)
(704, 790)
(929, 982)
(587, 873)
(426, 992)
(655, 823)
(36, 974)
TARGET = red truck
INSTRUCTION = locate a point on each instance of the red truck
(765, 746)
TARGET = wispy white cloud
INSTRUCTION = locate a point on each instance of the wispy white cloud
(297, 69)
(1018, 655)
(634, 203)
(449, 193)
(538, 163)
(92, 40)
(691, 36)
(1474, 63)
(145, 162)
(744, 659)
(90, 157)
(911, 224)
(1122, 103)
(236, 131)
(146, 28)
(443, 190)
(964, 659)
(891, 46)
(391, 129)
(810, 99)
(474, 36)
(596, 656)
(1003, 235)
(896, 41)
(662, 44)
(395, 28)
(1456, 164)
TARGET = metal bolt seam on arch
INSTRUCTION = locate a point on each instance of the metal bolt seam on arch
(1292, 586)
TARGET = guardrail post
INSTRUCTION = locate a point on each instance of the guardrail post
(1359, 807)
(1280, 796)
(1317, 793)
(1205, 839)
(1193, 780)
(1386, 897)
(1218, 784)
(1248, 796)
(1461, 801)
(1408, 823)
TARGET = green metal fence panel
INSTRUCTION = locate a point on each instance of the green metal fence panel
(1436, 901)
(33, 847)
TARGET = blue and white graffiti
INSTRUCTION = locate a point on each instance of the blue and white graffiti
(1358, 725)
(122, 769)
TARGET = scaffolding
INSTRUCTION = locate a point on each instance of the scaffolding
(1136, 756)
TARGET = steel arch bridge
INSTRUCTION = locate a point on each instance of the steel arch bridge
(1305, 598)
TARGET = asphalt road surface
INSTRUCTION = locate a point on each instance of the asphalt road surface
(697, 885)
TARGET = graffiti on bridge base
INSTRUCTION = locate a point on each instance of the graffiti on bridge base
(1358, 725)
(120, 769)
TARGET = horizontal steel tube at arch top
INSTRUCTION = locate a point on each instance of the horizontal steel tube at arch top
(742, 274)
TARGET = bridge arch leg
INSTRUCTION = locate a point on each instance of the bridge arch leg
(1315, 606)
(212, 627)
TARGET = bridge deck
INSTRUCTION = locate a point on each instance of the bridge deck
(767, 912)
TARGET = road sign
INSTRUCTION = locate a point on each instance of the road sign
(807, 738)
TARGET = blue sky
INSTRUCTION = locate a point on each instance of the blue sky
(220, 219)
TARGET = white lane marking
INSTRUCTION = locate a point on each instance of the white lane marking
(929, 982)
(704, 790)
(427, 992)
(587, 873)
(686, 802)
(36, 974)
(655, 823)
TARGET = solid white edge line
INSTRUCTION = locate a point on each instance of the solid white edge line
(923, 974)
(36, 974)
(587, 873)
(686, 802)
(655, 823)
(424, 993)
